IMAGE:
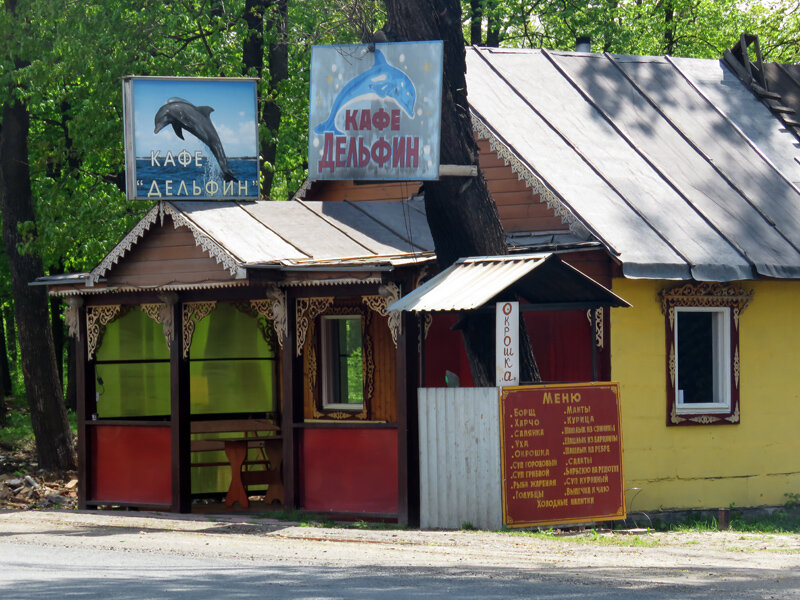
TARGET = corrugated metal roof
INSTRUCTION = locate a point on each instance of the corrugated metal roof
(540, 278)
(671, 163)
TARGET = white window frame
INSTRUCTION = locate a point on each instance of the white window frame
(722, 360)
(327, 364)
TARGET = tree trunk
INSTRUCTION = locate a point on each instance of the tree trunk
(11, 333)
(462, 217)
(270, 17)
(49, 419)
(71, 400)
(5, 369)
(476, 22)
(57, 327)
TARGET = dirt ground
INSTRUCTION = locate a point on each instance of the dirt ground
(214, 533)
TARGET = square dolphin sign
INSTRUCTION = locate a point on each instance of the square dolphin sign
(191, 138)
(375, 113)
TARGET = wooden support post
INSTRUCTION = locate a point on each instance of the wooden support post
(407, 422)
(180, 424)
(593, 320)
(291, 409)
(86, 407)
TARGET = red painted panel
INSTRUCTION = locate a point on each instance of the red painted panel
(349, 470)
(130, 464)
(444, 351)
(561, 343)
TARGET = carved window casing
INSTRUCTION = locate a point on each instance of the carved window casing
(720, 305)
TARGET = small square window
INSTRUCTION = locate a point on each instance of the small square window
(703, 360)
(342, 362)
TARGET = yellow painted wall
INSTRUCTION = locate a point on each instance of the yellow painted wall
(754, 463)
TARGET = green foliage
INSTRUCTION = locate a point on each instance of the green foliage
(18, 431)
(696, 28)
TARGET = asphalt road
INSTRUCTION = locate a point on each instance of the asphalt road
(102, 556)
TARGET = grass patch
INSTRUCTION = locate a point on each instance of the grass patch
(18, 430)
(783, 520)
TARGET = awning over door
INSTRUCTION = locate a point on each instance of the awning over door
(542, 279)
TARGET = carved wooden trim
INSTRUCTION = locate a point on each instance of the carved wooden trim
(524, 173)
(97, 317)
(599, 324)
(161, 313)
(308, 309)
(124, 246)
(705, 294)
(274, 308)
(193, 313)
(314, 367)
(72, 315)
(388, 294)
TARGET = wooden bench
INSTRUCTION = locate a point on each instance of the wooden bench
(262, 434)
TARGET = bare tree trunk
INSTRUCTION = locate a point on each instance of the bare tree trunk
(53, 438)
(267, 18)
(11, 333)
(461, 214)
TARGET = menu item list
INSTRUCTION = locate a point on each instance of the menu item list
(561, 448)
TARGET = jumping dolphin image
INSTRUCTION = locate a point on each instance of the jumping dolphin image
(196, 120)
(381, 80)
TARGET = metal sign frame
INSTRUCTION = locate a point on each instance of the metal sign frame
(561, 422)
(191, 138)
(375, 111)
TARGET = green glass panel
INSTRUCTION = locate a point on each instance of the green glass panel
(230, 386)
(134, 336)
(229, 333)
(351, 366)
(132, 389)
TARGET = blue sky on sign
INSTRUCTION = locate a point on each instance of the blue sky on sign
(234, 115)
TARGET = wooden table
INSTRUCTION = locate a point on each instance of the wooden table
(236, 452)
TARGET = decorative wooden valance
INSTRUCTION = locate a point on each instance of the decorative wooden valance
(388, 293)
(193, 313)
(308, 309)
(97, 317)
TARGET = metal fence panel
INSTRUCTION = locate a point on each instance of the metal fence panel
(459, 452)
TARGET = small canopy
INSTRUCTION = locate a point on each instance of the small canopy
(542, 279)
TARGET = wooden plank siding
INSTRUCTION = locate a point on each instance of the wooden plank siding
(519, 207)
(166, 255)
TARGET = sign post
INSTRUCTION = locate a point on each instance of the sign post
(506, 345)
(561, 454)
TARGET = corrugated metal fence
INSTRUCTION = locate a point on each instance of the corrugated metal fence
(459, 452)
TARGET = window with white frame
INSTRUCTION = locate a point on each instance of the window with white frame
(703, 359)
(342, 362)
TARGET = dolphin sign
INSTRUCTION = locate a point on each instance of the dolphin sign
(196, 120)
(381, 80)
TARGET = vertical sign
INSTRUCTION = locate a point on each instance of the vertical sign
(190, 138)
(561, 453)
(375, 111)
(506, 354)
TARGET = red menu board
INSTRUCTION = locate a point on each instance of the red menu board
(561, 449)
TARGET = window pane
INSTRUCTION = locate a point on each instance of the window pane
(229, 386)
(229, 333)
(133, 390)
(696, 364)
(344, 367)
(133, 337)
